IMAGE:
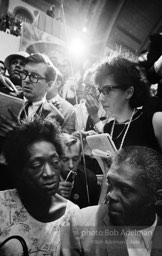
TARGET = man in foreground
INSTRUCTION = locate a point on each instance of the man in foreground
(127, 222)
(37, 78)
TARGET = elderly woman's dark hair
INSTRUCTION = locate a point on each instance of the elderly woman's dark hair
(147, 164)
(126, 72)
(51, 72)
(25, 134)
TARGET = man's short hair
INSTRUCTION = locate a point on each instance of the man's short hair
(51, 72)
(146, 163)
(70, 139)
(25, 134)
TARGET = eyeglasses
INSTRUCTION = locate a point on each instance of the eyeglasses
(34, 78)
(107, 89)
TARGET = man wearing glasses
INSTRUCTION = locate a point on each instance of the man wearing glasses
(37, 78)
(89, 112)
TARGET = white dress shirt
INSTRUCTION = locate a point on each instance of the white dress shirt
(34, 107)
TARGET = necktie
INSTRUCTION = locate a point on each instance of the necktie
(24, 112)
(89, 124)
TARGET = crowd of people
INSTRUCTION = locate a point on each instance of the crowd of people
(10, 25)
(49, 194)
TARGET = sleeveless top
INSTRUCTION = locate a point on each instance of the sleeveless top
(140, 132)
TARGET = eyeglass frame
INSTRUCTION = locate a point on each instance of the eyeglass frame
(109, 88)
(27, 74)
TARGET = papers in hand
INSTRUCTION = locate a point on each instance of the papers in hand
(103, 149)
(11, 103)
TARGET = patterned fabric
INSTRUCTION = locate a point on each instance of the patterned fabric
(41, 238)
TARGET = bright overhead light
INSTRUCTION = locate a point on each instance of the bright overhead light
(77, 48)
(84, 29)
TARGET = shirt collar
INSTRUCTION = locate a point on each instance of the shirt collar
(147, 233)
(36, 103)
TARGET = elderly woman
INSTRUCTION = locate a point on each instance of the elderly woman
(137, 118)
(34, 210)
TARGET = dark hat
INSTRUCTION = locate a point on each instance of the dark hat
(8, 59)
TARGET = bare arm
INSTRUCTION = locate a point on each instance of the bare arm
(157, 126)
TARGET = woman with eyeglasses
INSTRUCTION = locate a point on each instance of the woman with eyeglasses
(124, 92)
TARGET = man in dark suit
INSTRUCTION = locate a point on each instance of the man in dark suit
(66, 108)
(127, 223)
(76, 184)
(37, 77)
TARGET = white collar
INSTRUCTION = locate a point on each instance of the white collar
(36, 103)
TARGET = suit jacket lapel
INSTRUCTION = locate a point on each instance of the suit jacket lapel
(120, 248)
(41, 111)
(115, 244)
(157, 239)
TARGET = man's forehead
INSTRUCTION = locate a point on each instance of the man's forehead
(122, 170)
(18, 58)
(31, 66)
(72, 148)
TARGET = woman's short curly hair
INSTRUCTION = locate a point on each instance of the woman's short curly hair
(25, 134)
(125, 70)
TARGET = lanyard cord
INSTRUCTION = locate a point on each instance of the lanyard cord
(128, 125)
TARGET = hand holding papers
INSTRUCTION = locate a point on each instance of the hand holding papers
(103, 149)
